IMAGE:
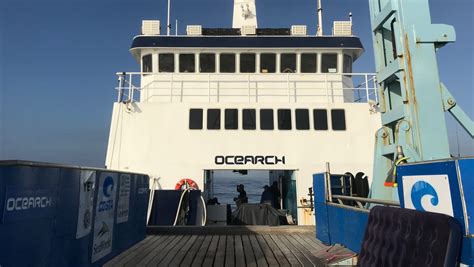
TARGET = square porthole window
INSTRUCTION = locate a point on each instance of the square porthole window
(288, 63)
(284, 119)
(249, 119)
(166, 62)
(302, 119)
(187, 63)
(227, 63)
(309, 62)
(320, 119)
(147, 65)
(231, 119)
(329, 63)
(267, 63)
(338, 119)
(266, 119)
(213, 119)
(195, 119)
(207, 63)
(247, 63)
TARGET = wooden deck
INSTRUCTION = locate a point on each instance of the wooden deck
(240, 246)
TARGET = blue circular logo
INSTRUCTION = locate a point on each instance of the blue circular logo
(108, 186)
(421, 189)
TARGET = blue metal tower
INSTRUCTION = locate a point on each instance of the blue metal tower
(412, 98)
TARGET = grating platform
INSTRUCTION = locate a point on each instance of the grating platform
(237, 246)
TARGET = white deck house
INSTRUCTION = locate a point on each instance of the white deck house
(244, 99)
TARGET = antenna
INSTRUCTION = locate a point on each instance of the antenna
(168, 25)
(176, 29)
(320, 19)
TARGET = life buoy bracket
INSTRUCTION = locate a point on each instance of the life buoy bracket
(186, 183)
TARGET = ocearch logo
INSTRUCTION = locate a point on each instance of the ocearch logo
(428, 193)
(26, 203)
(243, 160)
(424, 196)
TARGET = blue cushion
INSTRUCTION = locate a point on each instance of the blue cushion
(403, 237)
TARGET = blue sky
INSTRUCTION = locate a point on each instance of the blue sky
(58, 60)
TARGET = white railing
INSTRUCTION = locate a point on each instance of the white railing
(291, 87)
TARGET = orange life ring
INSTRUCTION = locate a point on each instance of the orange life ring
(187, 183)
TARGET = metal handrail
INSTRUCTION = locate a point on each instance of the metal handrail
(359, 201)
(251, 81)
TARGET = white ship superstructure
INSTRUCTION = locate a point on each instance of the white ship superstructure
(244, 99)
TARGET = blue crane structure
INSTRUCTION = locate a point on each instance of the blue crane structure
(413, 167)
(412, 99)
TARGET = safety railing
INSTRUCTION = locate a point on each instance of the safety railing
(255, 87)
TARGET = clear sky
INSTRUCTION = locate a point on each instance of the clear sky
(58, 60)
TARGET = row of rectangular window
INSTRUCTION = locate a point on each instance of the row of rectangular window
(284, 119)
(268, 63)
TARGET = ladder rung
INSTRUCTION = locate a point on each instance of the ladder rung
(383, 16)
(389, 72)
(392, 116)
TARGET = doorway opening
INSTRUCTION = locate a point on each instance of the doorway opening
(222, 184)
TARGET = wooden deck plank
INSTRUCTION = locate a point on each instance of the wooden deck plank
(221, 252)
(281, 259)
(248, 251)
(267, 251)
(170, 255)
(286, 251)
(311, 241)
(157, 257)
(258, 252)
(265, 247)
(230, 252)
(119, 260)
(202, 251)
(305, 251)
(153, 246)
(183, 251)
(298, 254)
(189, 258)
(239, 252)
(211, 252)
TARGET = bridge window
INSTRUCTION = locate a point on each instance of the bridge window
(288, 63)
(195, 119)
(147, 65)
(247, 63)
(249, 121)
(227, 63)
(302, 119)
(187, 63)
(166, 62)
(213, 119)
(329, 63)
(267, 63)
(266, 119)
(207, 63)
(347, 64)
(309, 63)
(231, 119)
(320, 119)
(284, 119)
(338, 119)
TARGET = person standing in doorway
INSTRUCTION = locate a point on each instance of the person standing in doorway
(276, 195)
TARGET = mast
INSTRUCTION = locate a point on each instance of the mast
(245, 14)
(168, 25)
(320, 19)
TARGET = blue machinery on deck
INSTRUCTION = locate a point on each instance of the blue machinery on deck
(56, 215)
(412, 104)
